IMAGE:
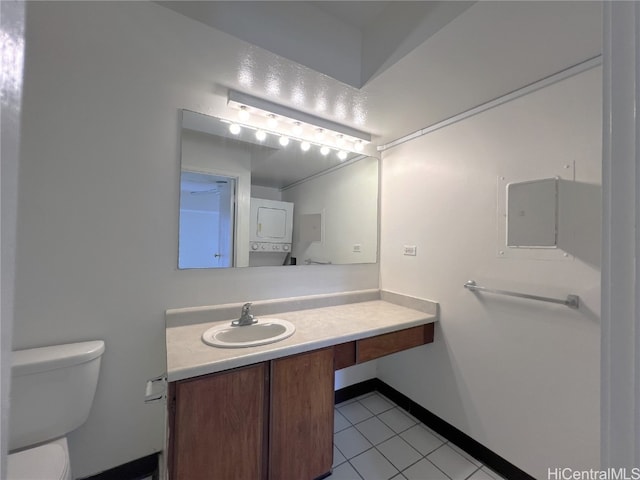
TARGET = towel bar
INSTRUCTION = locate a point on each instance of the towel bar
(572, 301)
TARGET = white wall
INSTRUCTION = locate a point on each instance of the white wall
(267, 193)
(98, 203)
(520, 377)
(353, 194)
(12, 29)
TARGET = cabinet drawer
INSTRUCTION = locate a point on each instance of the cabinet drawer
(344, 355)
(381, 345)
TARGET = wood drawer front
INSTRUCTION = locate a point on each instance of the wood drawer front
(381, 345)
(344, 355)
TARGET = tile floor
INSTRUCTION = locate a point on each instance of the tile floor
(374, 439)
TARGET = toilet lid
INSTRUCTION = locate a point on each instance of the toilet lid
(47, 462)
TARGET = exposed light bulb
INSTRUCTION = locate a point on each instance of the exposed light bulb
(304, 146)
(235, 128)
(358, 146)
(284, 141)
(272, 121)
(324, 150)
(297, 128)
(261, 135)
(340, 140)
(342, 155)
(319, 134)
(243, 114)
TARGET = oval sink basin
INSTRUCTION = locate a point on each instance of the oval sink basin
(266, 331)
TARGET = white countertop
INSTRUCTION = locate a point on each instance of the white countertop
(188, 356)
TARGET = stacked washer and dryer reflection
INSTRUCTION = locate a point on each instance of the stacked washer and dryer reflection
(271, 230)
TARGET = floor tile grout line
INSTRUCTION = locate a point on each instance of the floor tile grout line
(473, 473)
(339, 451)
(422, 457)
(490, 472)
(393, 405)
(398, 434)
(409, 427)
(464, 454)
(443, 472)
(345, 457)
(371, 441)
(355, 470)
(438, 436)
(383, 456)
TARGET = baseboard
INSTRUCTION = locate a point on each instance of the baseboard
(355, 390)
(139, 469)
(474, 448)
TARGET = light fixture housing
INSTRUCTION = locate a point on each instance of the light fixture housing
(285, 121)
(244, 114)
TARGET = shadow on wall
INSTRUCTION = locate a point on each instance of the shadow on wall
(446, 379)
(580, 220)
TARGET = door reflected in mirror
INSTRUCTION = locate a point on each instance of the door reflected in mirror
(207, 220)
(246, 201)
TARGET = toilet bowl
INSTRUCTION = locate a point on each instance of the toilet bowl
(52, 390)
(48, 461)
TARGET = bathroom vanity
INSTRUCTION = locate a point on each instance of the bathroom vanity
(266, 412)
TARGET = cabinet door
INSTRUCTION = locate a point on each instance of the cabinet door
(301, 446)
(220, 426)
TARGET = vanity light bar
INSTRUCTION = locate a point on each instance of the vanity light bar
(261, 134)
(295, 118)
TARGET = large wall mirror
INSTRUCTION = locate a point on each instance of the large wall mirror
(248, 201)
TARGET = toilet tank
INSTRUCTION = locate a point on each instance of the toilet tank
(52, 389)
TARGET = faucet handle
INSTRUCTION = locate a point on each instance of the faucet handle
(245, 318)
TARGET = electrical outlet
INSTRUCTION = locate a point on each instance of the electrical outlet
(410, 250)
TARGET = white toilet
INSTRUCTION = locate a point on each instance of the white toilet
(52, 390)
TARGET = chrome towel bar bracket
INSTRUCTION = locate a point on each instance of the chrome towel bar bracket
(572, 301)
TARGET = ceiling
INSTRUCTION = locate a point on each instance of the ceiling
(392, 68)
(349, 41)
(357, 14)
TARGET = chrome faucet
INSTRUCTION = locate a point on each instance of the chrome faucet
(245, 317)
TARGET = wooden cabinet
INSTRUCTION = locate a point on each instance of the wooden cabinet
(301, 441)
(268, 421)
(344, 355)
(381, 345)
(219, 423)
(359, 351)
(219, 426)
